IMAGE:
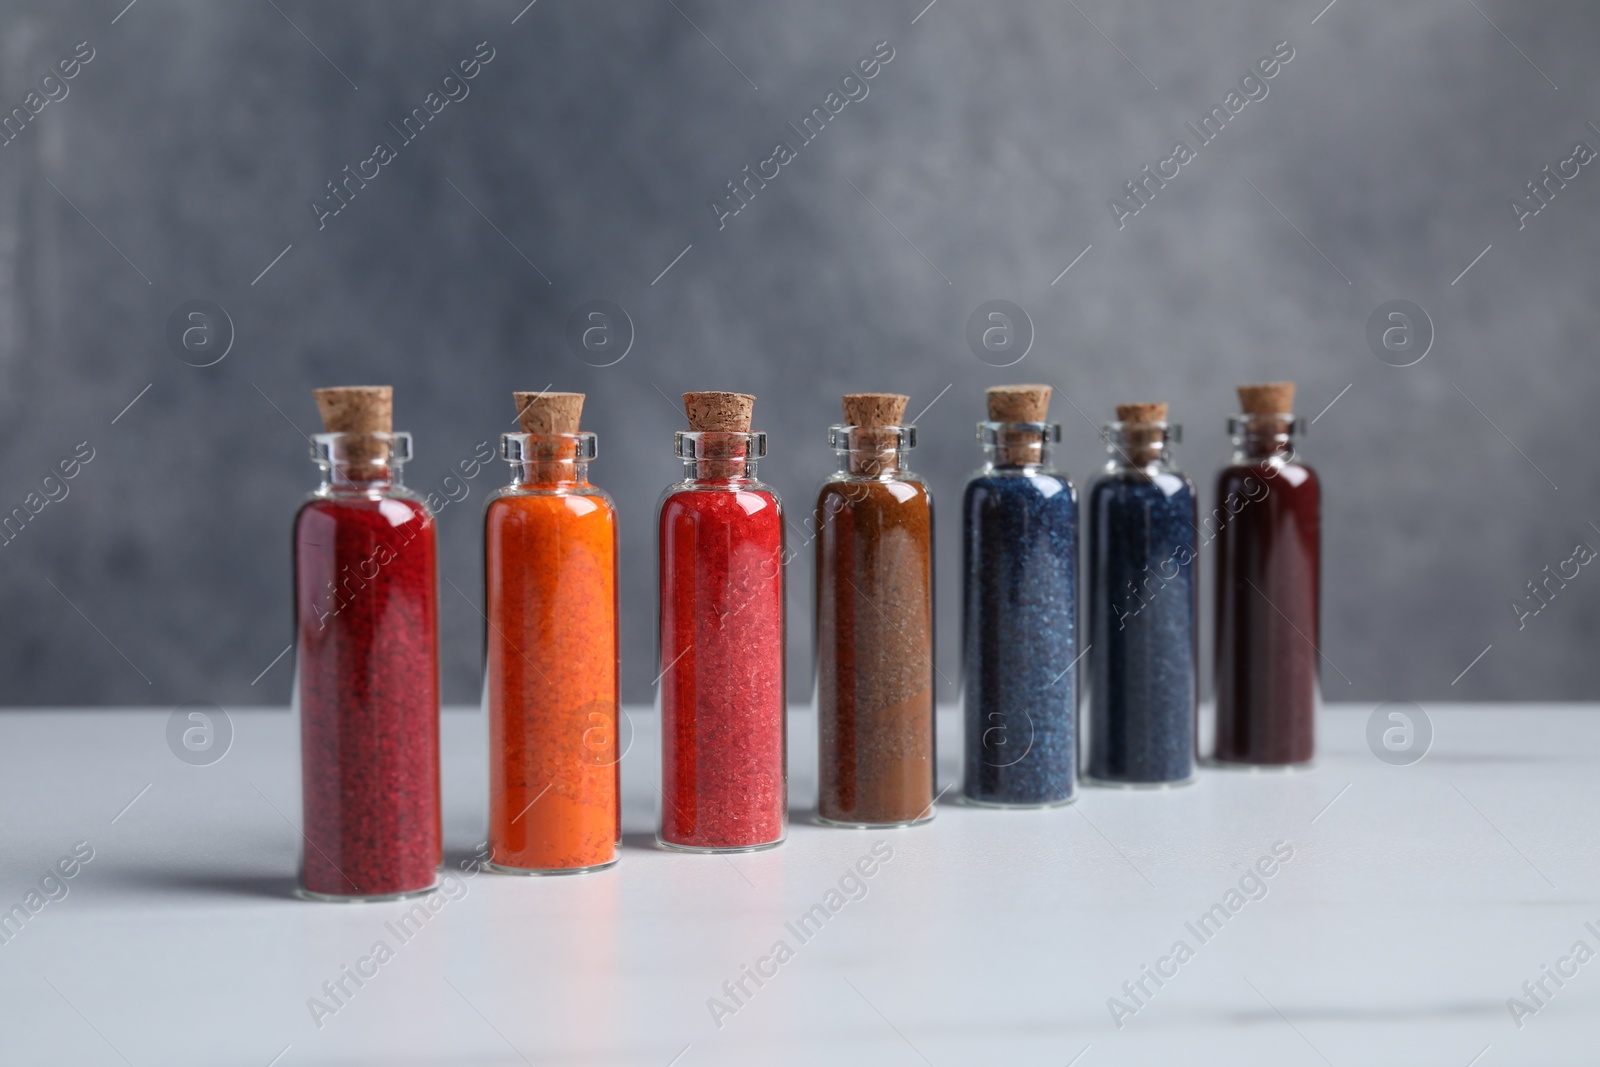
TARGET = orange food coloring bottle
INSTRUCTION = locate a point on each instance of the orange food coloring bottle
(550, 558)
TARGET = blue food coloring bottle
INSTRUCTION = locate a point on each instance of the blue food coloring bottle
(1143, 597)
(1019, 610)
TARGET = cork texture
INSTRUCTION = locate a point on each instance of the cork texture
(549, 413)
(1018, 403)
(356, 408)
(874, 409)
(1267, 398)
(713, 412)
(1141, 413)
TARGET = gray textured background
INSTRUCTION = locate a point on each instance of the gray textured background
(198, 135)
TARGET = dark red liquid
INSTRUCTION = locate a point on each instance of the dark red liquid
(1267, 610)
(366, 607)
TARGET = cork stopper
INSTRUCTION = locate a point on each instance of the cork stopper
(874, 450)
(542, 415)
(1141, 413)
(718, 413)
(714, 412)
(1018, 403)
(359, 409)
(549, 413)
(874, 409)
(356, 409)
(1267, 398)
(1267, 407)
(1142, 439)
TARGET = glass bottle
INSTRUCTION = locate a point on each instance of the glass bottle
(367, 675)
(550, 560)
(723, 748)
(1268, 564)
(1143, 673)
(1020, 626)
(875, 668)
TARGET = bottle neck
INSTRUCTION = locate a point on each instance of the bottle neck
(1021, 446)
(551, 473)
(719, 457)
(548, 461)
(1141, 446)
(872, 451)
(359, 479)
(360, 464)
(733, 470)
(1264, 438)
(870, 462)
(1017, 454)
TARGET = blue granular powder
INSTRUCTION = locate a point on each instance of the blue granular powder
(1143, 653)
(1020, 637)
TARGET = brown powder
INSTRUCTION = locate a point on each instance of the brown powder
(875, 692)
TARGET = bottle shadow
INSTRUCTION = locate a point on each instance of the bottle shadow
(260, 886)
(462, 859)
(640, 839)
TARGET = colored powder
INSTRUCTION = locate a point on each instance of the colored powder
(1268, 559)
(1143, 682)
(875, 695)
(722, 662)
(551, 569)
(366, 604)
(1020, 638)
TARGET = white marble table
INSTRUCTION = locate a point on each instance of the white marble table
(1417, 900)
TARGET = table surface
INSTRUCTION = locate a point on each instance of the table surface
(1414, 902)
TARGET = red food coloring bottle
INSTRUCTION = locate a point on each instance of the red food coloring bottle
(724, 779)
(367, 663)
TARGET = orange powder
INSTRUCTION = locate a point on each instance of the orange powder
(550, 553)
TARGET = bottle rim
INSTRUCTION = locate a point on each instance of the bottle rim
(1288, 423)
(516, 447)
(705, 444)
(994, 433)
(329, 449)
(901, 437)
(1170, 432)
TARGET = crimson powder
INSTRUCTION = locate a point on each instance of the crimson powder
(366, 612)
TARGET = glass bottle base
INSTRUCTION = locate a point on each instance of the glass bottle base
(376, 898)
(841, 824)
(1112, 783)
(1016, 805)
(662, 842)
(1265, 768)
(532, 872)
